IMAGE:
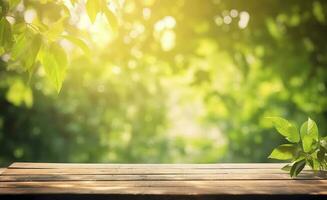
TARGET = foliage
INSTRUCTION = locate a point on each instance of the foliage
(156, 80)
(306, 147)
(27, 43)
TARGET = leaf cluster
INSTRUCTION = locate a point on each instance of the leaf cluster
(306, 147)
(94, 7)
(39, 43)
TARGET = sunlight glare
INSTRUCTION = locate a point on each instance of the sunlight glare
(99, 30)
(244, 19)
(164, 32)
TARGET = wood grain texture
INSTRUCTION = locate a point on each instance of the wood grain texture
(158, 179)
(142, 166)
(140, 171)
(166, 177)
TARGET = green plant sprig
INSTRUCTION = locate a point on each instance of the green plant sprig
(306, 147)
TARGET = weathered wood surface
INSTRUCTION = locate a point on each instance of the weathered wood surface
(158, 179)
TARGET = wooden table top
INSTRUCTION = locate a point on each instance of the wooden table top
(158, 179)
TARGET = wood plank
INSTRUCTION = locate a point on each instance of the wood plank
(142, 171)
(182, 189)
(145, 177)
(165, 191)
(158, 179)
(25, 165)
(238, 183)
(2, 170)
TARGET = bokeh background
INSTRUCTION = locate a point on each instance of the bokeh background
(179, 81)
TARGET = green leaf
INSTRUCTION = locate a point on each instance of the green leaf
(317, 164)
(299, 156)
(43, 28)
(26, 48)
(56, 29)
(297, 168)
(19, 47)
(19, 94)
(111, 18)
(19, 28)
(78, 42)
(309, 134)
(13, 3)
(54, 61)
(310, 163)
(287, 167)
(318, 11)
(284, 152)
(321, 155)
(32, 53)
(6, 38)
(323, 142)
(92, 8)
(285, 128)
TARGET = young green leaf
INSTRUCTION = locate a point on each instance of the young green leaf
(309, 134)
(6, 38)
(299, 156)
(54, 61)
(297, 168)
(56, 29)
(26, 49)
(92, 8)
(78, 42)
(284, 152)
(111, 18)
(312, 152)
(19, 47)
(33, 51)
(287, 167)
(285, 128)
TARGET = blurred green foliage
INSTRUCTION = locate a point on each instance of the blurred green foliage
(157, 81)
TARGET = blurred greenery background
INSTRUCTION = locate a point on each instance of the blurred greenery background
(178, 81)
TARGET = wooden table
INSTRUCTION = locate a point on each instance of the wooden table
(157, 181)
